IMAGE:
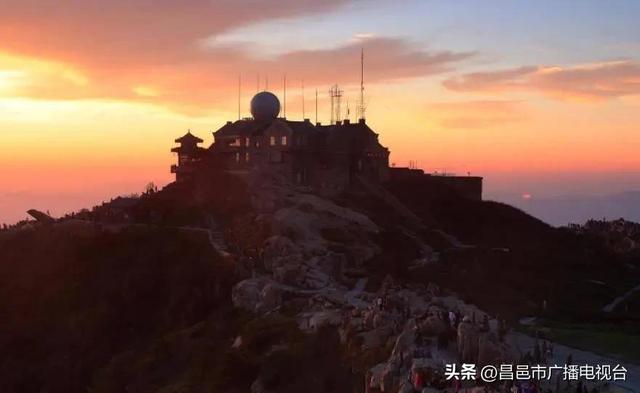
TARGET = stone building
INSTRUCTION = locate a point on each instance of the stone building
(326, 158)
(189, 155)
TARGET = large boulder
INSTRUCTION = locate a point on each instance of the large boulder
(278, 251)
(315, 224)
(405, 387)
(491, 350)
(317, 320)
(433, 326)
(246, 293)
(290, 274)
(270, 298)
(258, 387)
(467, 341)
(374, 376)
(331, 263)
(256, 295)
(388, 378)
(403, 347)
(315, 279)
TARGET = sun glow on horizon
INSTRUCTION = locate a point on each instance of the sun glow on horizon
(108, 103)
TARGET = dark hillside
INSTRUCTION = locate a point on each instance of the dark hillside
(143, 309)
(517, 261)
(74, 296)
(218, 195)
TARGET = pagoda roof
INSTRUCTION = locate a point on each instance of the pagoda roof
(188, 138)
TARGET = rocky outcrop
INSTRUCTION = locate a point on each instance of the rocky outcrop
(492, 351)
(467, 341)
(257, 295)
(433, 326)
(312, 321)
(383, 377)
(316, 224)
(313, 242)
(279, 251)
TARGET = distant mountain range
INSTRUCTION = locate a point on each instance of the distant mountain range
(562, 210)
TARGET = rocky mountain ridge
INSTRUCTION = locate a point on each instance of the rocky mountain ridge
(230, 285)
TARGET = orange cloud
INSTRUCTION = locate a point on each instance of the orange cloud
(127, 32)
(584, 82)
(211, 79)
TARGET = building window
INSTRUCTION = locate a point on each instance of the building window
(236, 142)
(283, 140)
(237, 157)
(247, 141)
(246, 157)
(272, 140)
(257, 142)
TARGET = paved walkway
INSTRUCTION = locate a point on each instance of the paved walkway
(526, 343)
(611, 306)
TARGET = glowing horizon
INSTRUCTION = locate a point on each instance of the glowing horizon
(92, 97)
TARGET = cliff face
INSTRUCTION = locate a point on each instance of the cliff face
(231, 286)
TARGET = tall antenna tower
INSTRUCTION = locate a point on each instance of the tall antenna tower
(316, 105)
(348, 115)
(331, 121)
(303, 100)
(361, 108)
(336, 94)
(284, 100)
(257, 83)
(239, 93)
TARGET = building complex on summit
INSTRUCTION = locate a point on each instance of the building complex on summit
(327, 158)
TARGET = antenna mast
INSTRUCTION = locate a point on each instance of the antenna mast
(361, 107)
(336, 94)
(303, 100)
(284, 83)
(257, 83)
(348, 111)
(316, 105)
(239, 93)
(331, 95)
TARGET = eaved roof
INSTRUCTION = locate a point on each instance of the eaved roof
(250, 127)
(347, 135)
(301, 126)
(244, 127)
(189, 138)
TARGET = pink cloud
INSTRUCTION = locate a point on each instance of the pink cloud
(110, 34)
(152, 51)
(588, 82)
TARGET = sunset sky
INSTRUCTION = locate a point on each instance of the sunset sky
(542, 98)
